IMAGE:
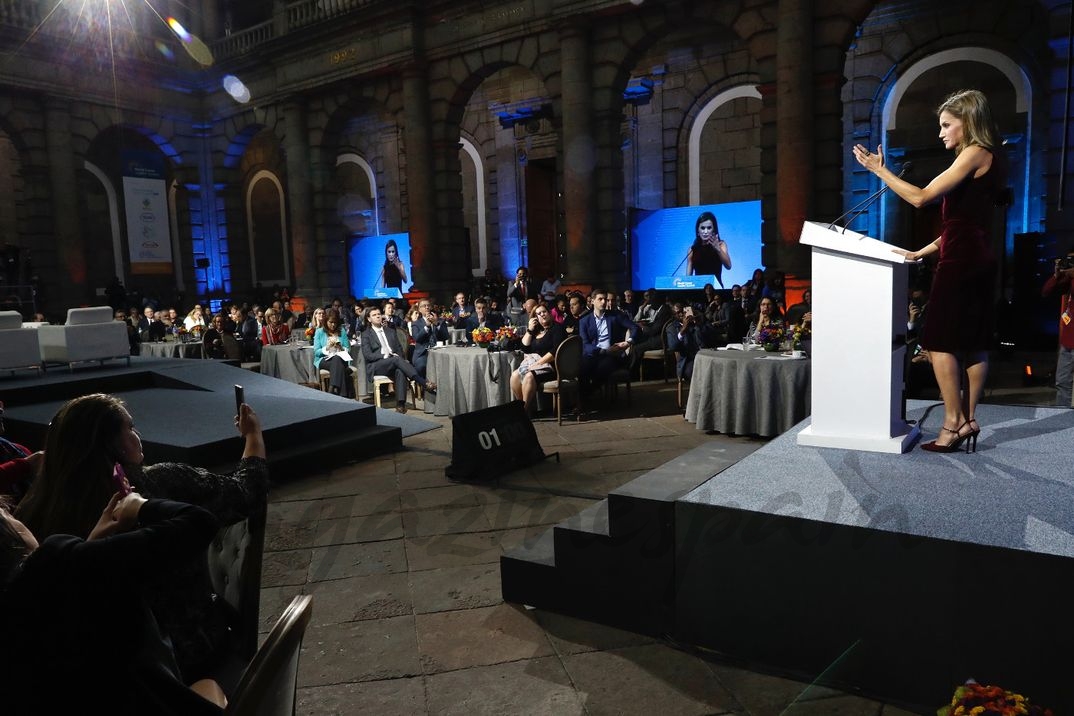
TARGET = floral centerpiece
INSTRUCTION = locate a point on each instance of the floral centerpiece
(483, 336)
(507, 335)
(972, 699)
(801, 333)
(770, 337)
(309, 333)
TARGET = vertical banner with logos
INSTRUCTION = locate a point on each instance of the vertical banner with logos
(145, 195)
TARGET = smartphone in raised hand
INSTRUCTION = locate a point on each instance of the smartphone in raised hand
(119, 480)
(239, 399)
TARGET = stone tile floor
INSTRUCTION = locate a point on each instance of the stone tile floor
(407, 613)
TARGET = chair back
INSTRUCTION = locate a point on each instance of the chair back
(235, 557)
(569, 359)
(232, 349)
(267, 687)
(664, 334)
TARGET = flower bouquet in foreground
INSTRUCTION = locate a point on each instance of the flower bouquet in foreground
(483, 336)
(801, 333)
(973, 699)
(507, 335)
(770, 337)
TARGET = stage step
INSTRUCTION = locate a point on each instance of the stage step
(614, 562)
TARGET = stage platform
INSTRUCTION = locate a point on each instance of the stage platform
(896, 575)
(184, 410)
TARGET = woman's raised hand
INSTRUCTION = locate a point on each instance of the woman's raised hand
(872, 162)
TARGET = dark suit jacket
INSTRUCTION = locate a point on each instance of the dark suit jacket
(618, 328)
(371, 348)
(492, 320)
(425, 335)
(151, 332)
(686, 347)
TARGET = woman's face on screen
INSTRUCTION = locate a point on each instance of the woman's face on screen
(706, 229)
(391, 253)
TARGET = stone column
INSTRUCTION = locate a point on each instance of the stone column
(300, 197)
(70, 244)
(795, 136)
(421, 201)
(279, 17)
(210, 20)
(579, 152)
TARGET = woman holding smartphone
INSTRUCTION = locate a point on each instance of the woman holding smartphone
(86, 439)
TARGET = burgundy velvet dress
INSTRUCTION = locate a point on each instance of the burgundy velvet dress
(961, 312)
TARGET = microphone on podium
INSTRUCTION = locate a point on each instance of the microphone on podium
(861, 206)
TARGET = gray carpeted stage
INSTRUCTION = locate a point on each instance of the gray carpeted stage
(897, 575)
(184, 410)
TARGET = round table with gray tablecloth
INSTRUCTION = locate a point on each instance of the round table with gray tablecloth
(468, 379)
(171, 349)
(293, 362)
(748, 392)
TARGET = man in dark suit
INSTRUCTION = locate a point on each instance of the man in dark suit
(481, 317)
(517, 295)
(606, 339)
(384, 356)
(151, 328)
(684, 337)
(426, 330)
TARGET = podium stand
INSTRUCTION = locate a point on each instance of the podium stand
(858, 344)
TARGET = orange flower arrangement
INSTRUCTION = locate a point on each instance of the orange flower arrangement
(507, 333)
(309, 332)
(483, 335)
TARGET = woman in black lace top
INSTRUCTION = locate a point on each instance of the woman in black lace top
(86, 439)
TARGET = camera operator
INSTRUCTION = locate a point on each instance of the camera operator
(1062, 282)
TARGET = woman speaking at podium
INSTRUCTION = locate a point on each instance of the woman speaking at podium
(708, 255)
(959, 330)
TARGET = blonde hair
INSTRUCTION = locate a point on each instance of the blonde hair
(978, 128)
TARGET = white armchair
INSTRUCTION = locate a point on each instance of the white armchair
(90, 334)
(18, 344)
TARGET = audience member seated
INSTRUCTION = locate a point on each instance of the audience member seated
(196, 317)
(796, 313)
(481, 316)
(330, 352)
(275, 332)
(460, 310)
(766, 317)
(606, 340)
(684, 336)
(651, 335)
(627, 305)
(384, 356)
(539, 343)
(212, 341)
(426, 328)
(304, 318)
(576, 304)
(86, 439)
(78, 632)
(249, 335)
(647, 310)
(18, 465)
(391, 318)
(560, 310)
(150, 328)
(132, 332)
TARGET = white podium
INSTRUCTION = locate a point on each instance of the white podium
(858, 345)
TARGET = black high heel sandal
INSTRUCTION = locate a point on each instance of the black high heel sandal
(955, 444)
(975, 430)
